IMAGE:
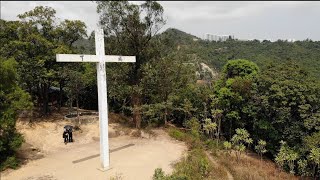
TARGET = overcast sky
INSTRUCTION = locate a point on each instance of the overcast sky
(245, 20)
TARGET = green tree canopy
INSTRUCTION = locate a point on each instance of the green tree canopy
(12, 100)
(130, 29)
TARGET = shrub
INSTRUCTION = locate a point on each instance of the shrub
(227, 146)
(286, 155)
(177, 134)
(213, 144)
(158, 174)
(10, 162)
(194, 126)
(261, 148)
(303, 167)
(195, 166)
(190, 138)
(239, 140)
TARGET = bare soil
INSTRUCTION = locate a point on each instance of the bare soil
(45, 156)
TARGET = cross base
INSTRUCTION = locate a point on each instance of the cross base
(104, 169)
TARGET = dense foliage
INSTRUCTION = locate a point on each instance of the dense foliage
(216, 54)
(28, 67)
(12, 99)
(277, 101)
(33, 42)
(131, 29)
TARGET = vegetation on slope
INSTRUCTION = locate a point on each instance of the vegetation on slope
(216, 54)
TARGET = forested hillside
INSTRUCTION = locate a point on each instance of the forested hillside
(216, 54)
(276, 100)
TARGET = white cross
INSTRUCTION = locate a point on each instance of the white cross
(100, 58)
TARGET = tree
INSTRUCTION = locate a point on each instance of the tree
(292, 156)
(284, 105)
(133, 27)
(303, 167)
(34, 43)
(261, 148)
(240, 140)
(75, 84)
(280, 158)
(12, 100)
(209, 127)
(217, 116)
(163, 79)
(227, 146)
(232, 92)
(240, 68)
(286, 155)
(194, 126)
(69, 31)
(314, 156)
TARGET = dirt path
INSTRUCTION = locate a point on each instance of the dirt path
(215, 163)
(130, 158)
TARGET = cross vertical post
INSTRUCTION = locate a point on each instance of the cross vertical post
(100, 58)
(102, 99)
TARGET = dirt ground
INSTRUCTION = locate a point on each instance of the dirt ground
(47, 157)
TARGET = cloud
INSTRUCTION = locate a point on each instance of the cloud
(205, 10)
(244, 19)
(74, 10)
(213, 10)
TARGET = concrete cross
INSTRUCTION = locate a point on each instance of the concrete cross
(100, 58)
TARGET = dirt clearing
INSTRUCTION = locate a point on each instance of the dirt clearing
(130, 157)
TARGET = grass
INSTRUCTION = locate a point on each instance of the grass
(249, 167)
(116, 177)
(176, 134)
(196, 165)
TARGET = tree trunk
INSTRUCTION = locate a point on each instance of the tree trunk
(60, 96)
(315, 171)
(230, 129)
(136, 103)
(45, 98)
(78, 117)
(70, 103)
(165, 115)
(136, 97)
(219, 128)
(123, 104)
(205, 110)
(39, 95)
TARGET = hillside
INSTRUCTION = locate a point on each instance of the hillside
(215, 54)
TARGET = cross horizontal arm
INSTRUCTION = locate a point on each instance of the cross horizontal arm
(76, 58)
(93, 58)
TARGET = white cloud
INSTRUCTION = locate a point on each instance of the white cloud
(75, 10)
(215, 10)
(275, 19)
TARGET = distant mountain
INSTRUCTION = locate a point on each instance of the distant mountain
(179, 36)
(216, 54)
(85, 46)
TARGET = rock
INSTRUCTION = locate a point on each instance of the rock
(122, 133)
(144, 135)
(135, 133)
